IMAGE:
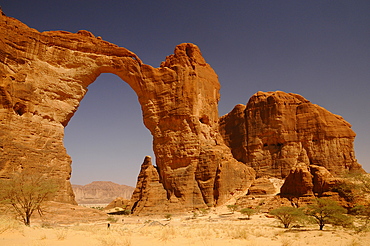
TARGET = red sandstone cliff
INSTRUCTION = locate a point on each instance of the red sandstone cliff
(276, 131)
(201, 160)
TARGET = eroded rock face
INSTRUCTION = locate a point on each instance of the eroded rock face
(306, 181)
(299, 182)
(43, 78)
(262, 187)
(276, 131)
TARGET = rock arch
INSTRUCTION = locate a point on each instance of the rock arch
(44, 76)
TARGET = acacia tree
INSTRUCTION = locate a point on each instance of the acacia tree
(325, 211)
(248, 211)
(25, 192)
(288, 215)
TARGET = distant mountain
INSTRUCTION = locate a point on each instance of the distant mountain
(101, 192)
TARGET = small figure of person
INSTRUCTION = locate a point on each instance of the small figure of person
(108, 225)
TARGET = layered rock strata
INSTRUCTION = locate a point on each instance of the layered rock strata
(278, 131)
(43, 78)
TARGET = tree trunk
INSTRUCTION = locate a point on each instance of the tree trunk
(27, 221)
(321, 226)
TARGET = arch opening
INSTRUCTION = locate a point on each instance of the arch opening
(106, 138)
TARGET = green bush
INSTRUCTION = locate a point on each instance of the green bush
(203, 211)
(232, 208)
(168, 216)
(248, 211)
(112, 219)
(126, 212)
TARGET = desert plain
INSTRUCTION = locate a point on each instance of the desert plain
(64, 224)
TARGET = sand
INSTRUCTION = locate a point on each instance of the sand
(209, 230)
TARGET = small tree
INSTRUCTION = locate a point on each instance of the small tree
(325, 211)
(25, 191)
(232, 208)
(248, 212)
(288, 215)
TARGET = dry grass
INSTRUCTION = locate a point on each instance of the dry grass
(61, 234)
(7, 223)
(221, 231)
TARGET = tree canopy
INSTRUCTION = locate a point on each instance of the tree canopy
(288, 215)
(326, 211)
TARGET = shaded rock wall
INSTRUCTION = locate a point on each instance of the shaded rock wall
(276, 131)
(44, 76)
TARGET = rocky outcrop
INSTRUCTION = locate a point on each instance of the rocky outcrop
(308, 181)
(149, 195)
(276, 131)
(101, 192)
(262, 187)
(298, 183)
(43, 78)
(119, 202)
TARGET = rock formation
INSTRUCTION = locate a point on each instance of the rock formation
(43, 78)
(119, 202)
(276, 131)
(299, 182)
(101, 192)
(263, 186)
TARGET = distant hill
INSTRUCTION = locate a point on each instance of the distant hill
(101, 192)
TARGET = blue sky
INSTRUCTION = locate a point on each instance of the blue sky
(318, 49)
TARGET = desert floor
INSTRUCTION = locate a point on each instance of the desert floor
(212, 229)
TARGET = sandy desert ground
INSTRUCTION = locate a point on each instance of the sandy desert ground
(86, 227)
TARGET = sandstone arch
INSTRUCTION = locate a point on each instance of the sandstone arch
(45, 75)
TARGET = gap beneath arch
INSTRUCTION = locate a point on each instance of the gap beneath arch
(106, 138)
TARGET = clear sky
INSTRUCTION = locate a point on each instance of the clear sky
(318, 49)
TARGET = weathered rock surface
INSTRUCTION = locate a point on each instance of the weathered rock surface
(263, 186)
(276, 131)
(101, 192)
(298, 182)
(308, 181)
(43, 78)
(149, 195)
